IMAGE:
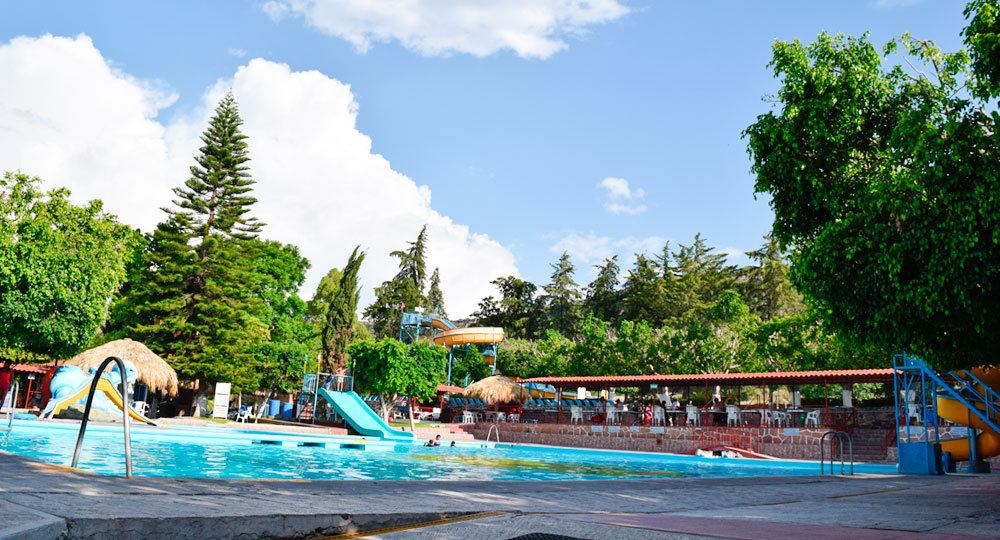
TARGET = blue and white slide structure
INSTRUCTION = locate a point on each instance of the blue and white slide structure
(361, 417)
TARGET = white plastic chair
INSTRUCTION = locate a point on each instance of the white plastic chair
(575, 414)
(613, 417)
(913, 411)
(468, 417)
(812, 417)
(733, 415)
(243, 415)
(514, 418)
(659, 418)
(693, 415)
(140, 407)
(781, 418)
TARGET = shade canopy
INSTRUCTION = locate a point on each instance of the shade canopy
(496, 389)
(154, 372)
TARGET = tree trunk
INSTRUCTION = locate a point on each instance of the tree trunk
(413, 426)
(385, 407)
(263, 405)
(202, 392)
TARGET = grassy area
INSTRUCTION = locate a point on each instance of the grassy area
(418, 424)
(216, 420)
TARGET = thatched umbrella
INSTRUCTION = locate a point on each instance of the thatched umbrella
(496, 389)
(154, 372)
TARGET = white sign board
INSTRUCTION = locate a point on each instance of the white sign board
(221, 408)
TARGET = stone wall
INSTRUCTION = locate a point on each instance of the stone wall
(788, 443)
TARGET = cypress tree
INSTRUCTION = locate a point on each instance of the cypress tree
(338, 332)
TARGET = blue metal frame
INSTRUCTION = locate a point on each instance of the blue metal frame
(414, 326)
(961, 387)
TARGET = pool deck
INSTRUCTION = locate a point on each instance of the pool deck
(44, 501)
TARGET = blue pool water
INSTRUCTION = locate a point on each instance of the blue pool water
(197, 452)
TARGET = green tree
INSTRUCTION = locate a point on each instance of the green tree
(393, 370)
(603, 297)
(468, 365)
(701, 278)
(191, 302)
(519, 312)
(519, 357)
(562, 297)
(884, 181)
(435, 298)
(403, 291)
(645, 293)
(720, 340)
(60, 264)
(341, 314)
(766, 287)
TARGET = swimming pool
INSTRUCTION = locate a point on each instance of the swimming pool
(206, 452)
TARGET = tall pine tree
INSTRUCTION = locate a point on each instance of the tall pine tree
(192, 303)
(604, 300)
(435, 298)
(562, 297)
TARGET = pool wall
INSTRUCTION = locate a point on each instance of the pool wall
(785, 443)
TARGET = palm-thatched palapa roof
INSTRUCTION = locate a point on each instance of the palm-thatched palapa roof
(154, 372)
(496, 389)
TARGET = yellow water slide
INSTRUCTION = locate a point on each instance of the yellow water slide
(988, 441)
(450, 336)
(103, 385)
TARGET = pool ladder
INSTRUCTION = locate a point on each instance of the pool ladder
(125, 410)
(835, 436)
(491, 431)
(10, 410)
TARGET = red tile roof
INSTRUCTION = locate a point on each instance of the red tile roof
(450, 389)
(30, 368)
(726, 379)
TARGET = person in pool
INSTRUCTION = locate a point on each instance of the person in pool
(436, 441)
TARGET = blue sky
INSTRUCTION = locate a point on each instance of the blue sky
(512, 140)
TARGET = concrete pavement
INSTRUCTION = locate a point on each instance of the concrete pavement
(44, 501)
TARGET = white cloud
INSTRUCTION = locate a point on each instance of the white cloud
(238, 53)
(72, 120)
(68, 117)
(530, 28)
(618, 191)
(590, 249)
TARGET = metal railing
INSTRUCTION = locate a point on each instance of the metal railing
(10, 409)
(835, 436)
(490, 432)
(742, 438)
(125, 409)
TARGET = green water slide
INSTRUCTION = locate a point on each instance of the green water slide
(362, 418)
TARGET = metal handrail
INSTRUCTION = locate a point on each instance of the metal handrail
(838, 436)
(125, 408)
(490, 432)
(14, 390)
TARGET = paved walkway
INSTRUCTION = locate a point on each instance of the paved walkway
(41, 501)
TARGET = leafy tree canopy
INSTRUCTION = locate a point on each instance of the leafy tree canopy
(884, 182)
(60, 264)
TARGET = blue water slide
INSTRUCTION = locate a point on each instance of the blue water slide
(361, 417)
